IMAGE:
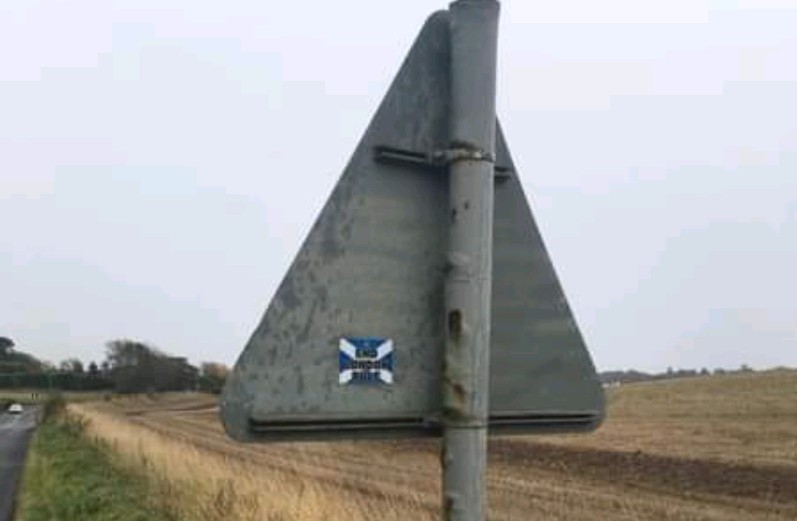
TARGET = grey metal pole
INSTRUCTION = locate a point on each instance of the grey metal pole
(474, 32)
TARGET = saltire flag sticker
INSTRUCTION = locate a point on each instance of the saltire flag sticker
(366, 360)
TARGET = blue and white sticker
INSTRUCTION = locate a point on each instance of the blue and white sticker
(366, 360)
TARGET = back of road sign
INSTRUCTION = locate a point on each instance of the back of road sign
(352, 343)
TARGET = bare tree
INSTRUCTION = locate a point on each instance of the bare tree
(71, 365)
(6, 344)
(136, 367)
(212, 376)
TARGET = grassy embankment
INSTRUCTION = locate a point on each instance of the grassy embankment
(68, 477)
(716, 448)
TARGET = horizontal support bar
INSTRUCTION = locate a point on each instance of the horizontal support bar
(413, 426)
(438, 161)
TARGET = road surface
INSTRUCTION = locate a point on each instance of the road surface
(15, 432)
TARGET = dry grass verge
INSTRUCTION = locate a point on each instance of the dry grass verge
(199, 484)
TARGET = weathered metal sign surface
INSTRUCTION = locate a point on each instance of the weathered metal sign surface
(362, 302)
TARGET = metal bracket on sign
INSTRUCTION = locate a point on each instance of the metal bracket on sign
(439, 159)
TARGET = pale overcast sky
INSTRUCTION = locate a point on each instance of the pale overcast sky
(161, 162)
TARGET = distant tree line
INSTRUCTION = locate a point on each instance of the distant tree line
(54, 380)
(632, 375)
(130, 366)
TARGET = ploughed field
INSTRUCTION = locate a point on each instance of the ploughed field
(714, 448)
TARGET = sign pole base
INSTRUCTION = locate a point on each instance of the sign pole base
(464, 464)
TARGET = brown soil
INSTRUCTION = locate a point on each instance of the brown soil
(647, 471)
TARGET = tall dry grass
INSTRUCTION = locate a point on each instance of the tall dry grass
(197, 484)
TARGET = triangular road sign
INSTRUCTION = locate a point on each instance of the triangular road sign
(352, 343)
